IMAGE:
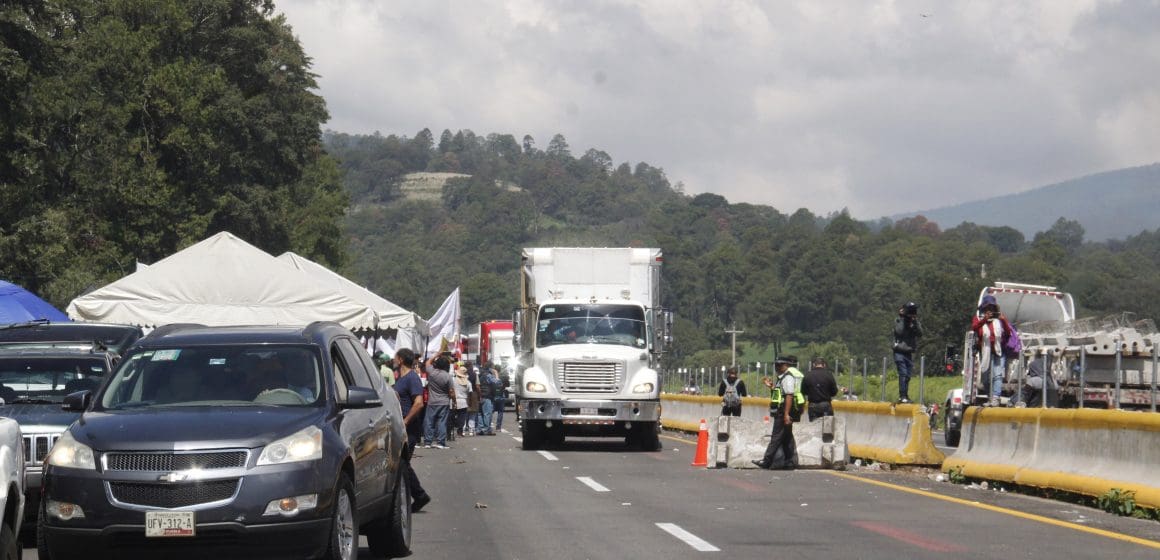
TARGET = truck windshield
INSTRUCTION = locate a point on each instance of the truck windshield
(591, 324)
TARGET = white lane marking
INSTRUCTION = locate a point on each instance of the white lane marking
(592, 484)
(518, 439)
(688, 538)
(548, 455)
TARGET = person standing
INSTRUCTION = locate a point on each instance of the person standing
(988, 324)
(487, 383)
(500, 399)
(784, 398)
(731, 390)
(410, 390)
(820, 388)
(462, 386)
(442, 398)
(907, 331)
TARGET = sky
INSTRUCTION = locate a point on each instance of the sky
(878, 107)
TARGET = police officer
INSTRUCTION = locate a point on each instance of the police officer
(820, 388)
(785, 404)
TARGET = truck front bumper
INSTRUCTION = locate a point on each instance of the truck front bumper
(590, 411)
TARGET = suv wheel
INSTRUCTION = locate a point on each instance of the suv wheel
(344, 529)
(9, 549)
(41, 542)
(391, 537)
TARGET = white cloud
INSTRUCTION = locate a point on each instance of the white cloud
(866, 106)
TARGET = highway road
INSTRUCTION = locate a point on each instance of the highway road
(594, 499)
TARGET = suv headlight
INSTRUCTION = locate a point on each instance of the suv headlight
(68, 452)
(303, 445)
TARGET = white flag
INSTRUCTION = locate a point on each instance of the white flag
(444, 325)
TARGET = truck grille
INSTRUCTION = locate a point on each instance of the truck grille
(36, 448)
(173, 495)
(166, 462)
(589, 377)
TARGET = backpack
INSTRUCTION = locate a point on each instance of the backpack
(1012, 346)
(732, 399)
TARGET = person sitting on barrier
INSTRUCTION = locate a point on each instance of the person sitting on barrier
(820, 388)
(731, 390)
(1037, 373)
(988, 326)
(784, 399)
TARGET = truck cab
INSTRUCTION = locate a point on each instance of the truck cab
(589, 336)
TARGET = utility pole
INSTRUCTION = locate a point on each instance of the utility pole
(734, 332)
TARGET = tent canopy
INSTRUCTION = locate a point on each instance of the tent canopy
(390, 316)
(18, 305)
(220, 281)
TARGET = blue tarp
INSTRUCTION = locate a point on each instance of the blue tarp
(18, 305)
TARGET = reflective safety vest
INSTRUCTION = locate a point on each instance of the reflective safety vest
(799, 398)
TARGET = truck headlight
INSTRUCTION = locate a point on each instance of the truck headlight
(643, 388)
(68, 452)
(533, 387)
(303, 445)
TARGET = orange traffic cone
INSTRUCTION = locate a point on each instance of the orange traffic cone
(701, 459)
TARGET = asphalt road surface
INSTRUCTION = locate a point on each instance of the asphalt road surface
(593, 498)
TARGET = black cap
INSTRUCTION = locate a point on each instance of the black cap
(910, 308)
(786, 359)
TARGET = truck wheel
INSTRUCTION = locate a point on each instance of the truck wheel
(533, 434)
(9, 549)
(648, 439)
(391, 537)
(951, 437)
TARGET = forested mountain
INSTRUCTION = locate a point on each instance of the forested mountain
(1111, 205)
(777, 275)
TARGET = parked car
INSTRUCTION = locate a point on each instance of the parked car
(112, 337)
(276, 442)
(11, 488)
(33, 384)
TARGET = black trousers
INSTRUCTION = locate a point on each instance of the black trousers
(727, 410)
(820, 409)
(413, 487)
(782, 450)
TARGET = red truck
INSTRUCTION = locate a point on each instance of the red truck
(492, 341)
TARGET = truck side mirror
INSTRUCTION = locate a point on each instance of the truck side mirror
(517, 330)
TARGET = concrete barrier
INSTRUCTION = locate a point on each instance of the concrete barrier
(885, 432)
(1083, 451)
(735, 442)
(888, 432)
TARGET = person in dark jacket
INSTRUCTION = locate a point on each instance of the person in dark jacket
(731, 390)
(820, 388)
(907, 331)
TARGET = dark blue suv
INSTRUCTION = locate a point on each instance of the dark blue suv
(274, 442)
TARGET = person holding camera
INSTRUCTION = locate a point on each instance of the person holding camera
(907, 331)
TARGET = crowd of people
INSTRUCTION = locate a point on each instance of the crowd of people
(442, 398)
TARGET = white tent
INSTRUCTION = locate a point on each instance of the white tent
(220, 281)
(390, 316)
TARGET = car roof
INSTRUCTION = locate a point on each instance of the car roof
(116, 337)
(199, 335)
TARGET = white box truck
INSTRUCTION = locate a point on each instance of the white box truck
(589, 334)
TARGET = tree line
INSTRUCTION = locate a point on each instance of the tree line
(814, 280)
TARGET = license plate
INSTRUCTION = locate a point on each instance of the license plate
(589, 411)
(169, 524)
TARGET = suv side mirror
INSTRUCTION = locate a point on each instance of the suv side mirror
(77, 402)
(361, 397)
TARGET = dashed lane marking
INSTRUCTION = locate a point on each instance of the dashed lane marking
(587, 481)
(548, 455)
(518, 439)
(688, 538)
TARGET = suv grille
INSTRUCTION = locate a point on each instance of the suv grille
(36, 448)
(173, 495)
(166, 462)
(589, 377)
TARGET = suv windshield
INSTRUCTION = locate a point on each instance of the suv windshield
(215, 375)
(46, 380)
(591, 323)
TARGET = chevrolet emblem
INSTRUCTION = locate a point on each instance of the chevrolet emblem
(173, 477)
